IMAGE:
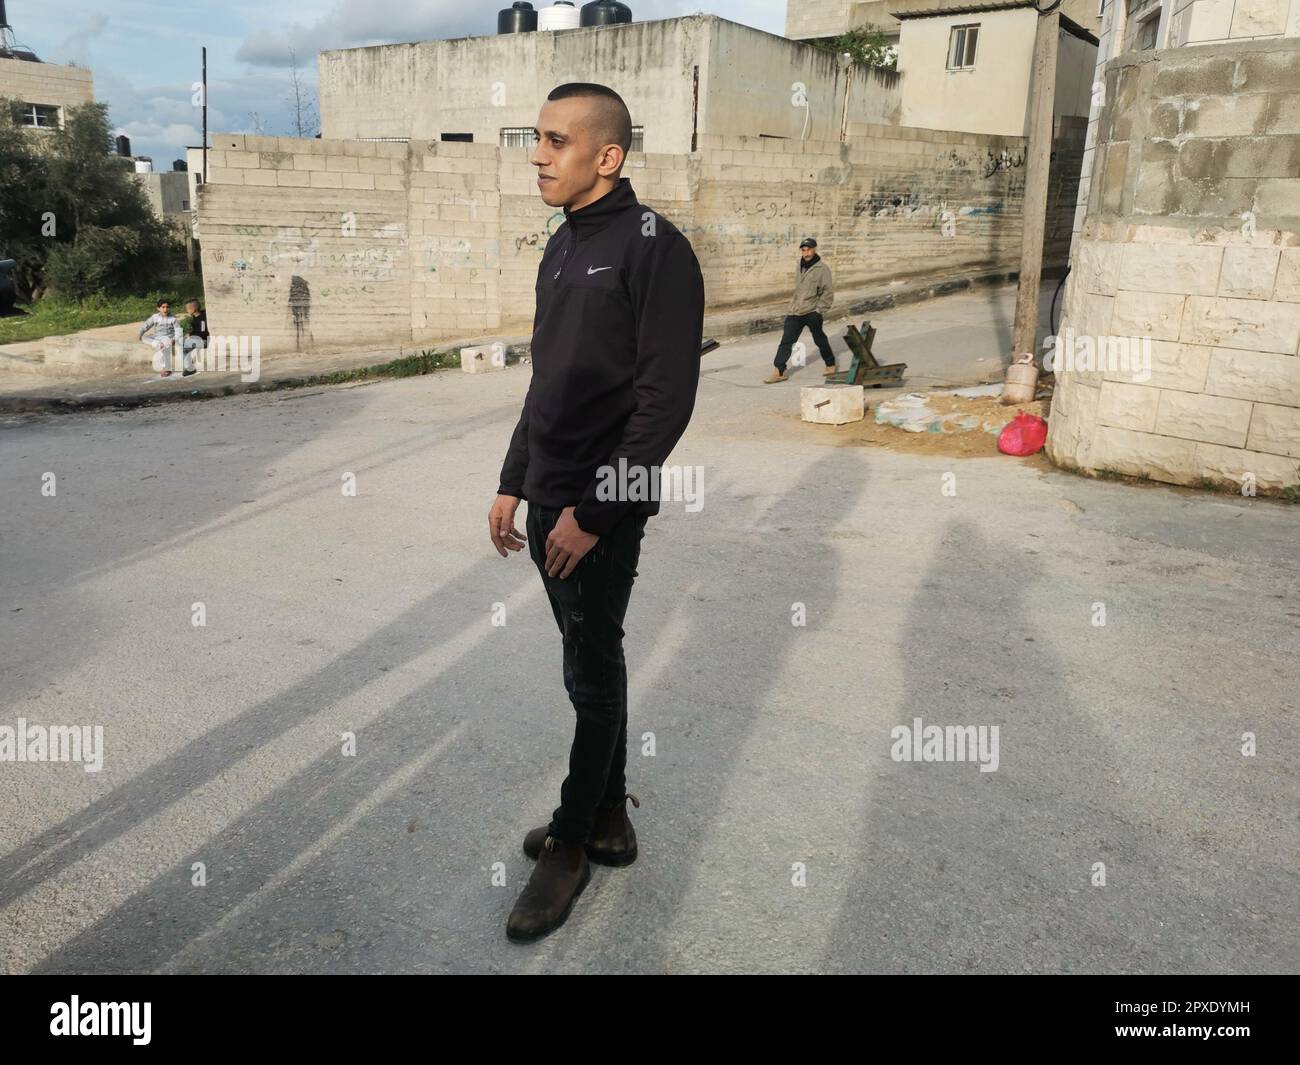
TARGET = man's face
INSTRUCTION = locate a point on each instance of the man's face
(192, 307)
(164, 308)
(569, 162)
(807, 253)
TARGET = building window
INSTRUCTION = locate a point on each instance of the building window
(1143, 31)
(518, 137)
(961, 47)
(521, 137)
(42, 116)
(1146, 34)
(467, 138)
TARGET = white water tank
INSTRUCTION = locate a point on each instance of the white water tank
(561, 15)
(144, 166)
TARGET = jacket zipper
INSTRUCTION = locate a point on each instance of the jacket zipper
(565, 256)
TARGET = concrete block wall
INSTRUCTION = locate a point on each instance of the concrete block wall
(323, 245)
(806, 19)
(1222, 313)
(1204, 134)
(874, 204)
(1191, 244)
(1184, 22)
(454, 215)
(305, 243)
(46, 83)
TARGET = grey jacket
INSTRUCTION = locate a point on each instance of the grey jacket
(165, 327)
(813, 290)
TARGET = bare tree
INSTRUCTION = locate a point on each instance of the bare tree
(306, 120)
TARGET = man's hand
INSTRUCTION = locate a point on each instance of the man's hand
(501, 525)
(566, 545)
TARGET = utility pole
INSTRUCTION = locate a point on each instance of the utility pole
(205, 113)
(1025, 329)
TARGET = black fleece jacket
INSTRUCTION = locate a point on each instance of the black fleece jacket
(616, 358)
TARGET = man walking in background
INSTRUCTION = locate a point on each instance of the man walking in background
(616, 362)
(813, 295)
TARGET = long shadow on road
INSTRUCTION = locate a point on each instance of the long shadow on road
(958, 870)
(385, 861)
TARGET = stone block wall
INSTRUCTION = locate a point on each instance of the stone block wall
(1190, 246)
(51, 84)
(321, 245)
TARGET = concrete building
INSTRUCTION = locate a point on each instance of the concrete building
(1189, 251)
(969, 65)
(44, 91)
(168, 192)
(965, 64)
(808, 20)
(818, 19)
(682, 78)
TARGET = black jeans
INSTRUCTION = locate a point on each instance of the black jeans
(794, 325)
(589, 606)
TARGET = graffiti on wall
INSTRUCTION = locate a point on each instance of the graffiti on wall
(540, 237)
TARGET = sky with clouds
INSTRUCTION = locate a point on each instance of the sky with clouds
(145, 57)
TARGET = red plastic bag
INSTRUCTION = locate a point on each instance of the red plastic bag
(1025, 434)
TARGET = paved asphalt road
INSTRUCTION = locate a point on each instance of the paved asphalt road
(777, 833)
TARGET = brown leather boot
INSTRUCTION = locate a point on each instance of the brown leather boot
(612, 840)
(561, 873)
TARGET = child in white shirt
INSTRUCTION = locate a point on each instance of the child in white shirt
(166, 336)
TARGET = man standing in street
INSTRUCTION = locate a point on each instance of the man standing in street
(813, 295)
(616, 362)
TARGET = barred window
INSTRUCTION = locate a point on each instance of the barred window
(524, 137)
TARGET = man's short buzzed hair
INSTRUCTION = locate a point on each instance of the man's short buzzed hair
(609, 121)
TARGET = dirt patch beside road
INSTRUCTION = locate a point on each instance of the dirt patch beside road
(972, 443)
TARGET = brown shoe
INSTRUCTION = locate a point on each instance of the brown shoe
(830, 370)
(562, 871)
(612, 840)
(775, 376)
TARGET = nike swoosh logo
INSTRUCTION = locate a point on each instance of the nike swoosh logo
(597, 269)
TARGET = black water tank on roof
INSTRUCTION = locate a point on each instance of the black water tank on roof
(519, 17)
(605, 13)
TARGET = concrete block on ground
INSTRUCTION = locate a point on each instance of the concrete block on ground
(833, 404)
(483, 359)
